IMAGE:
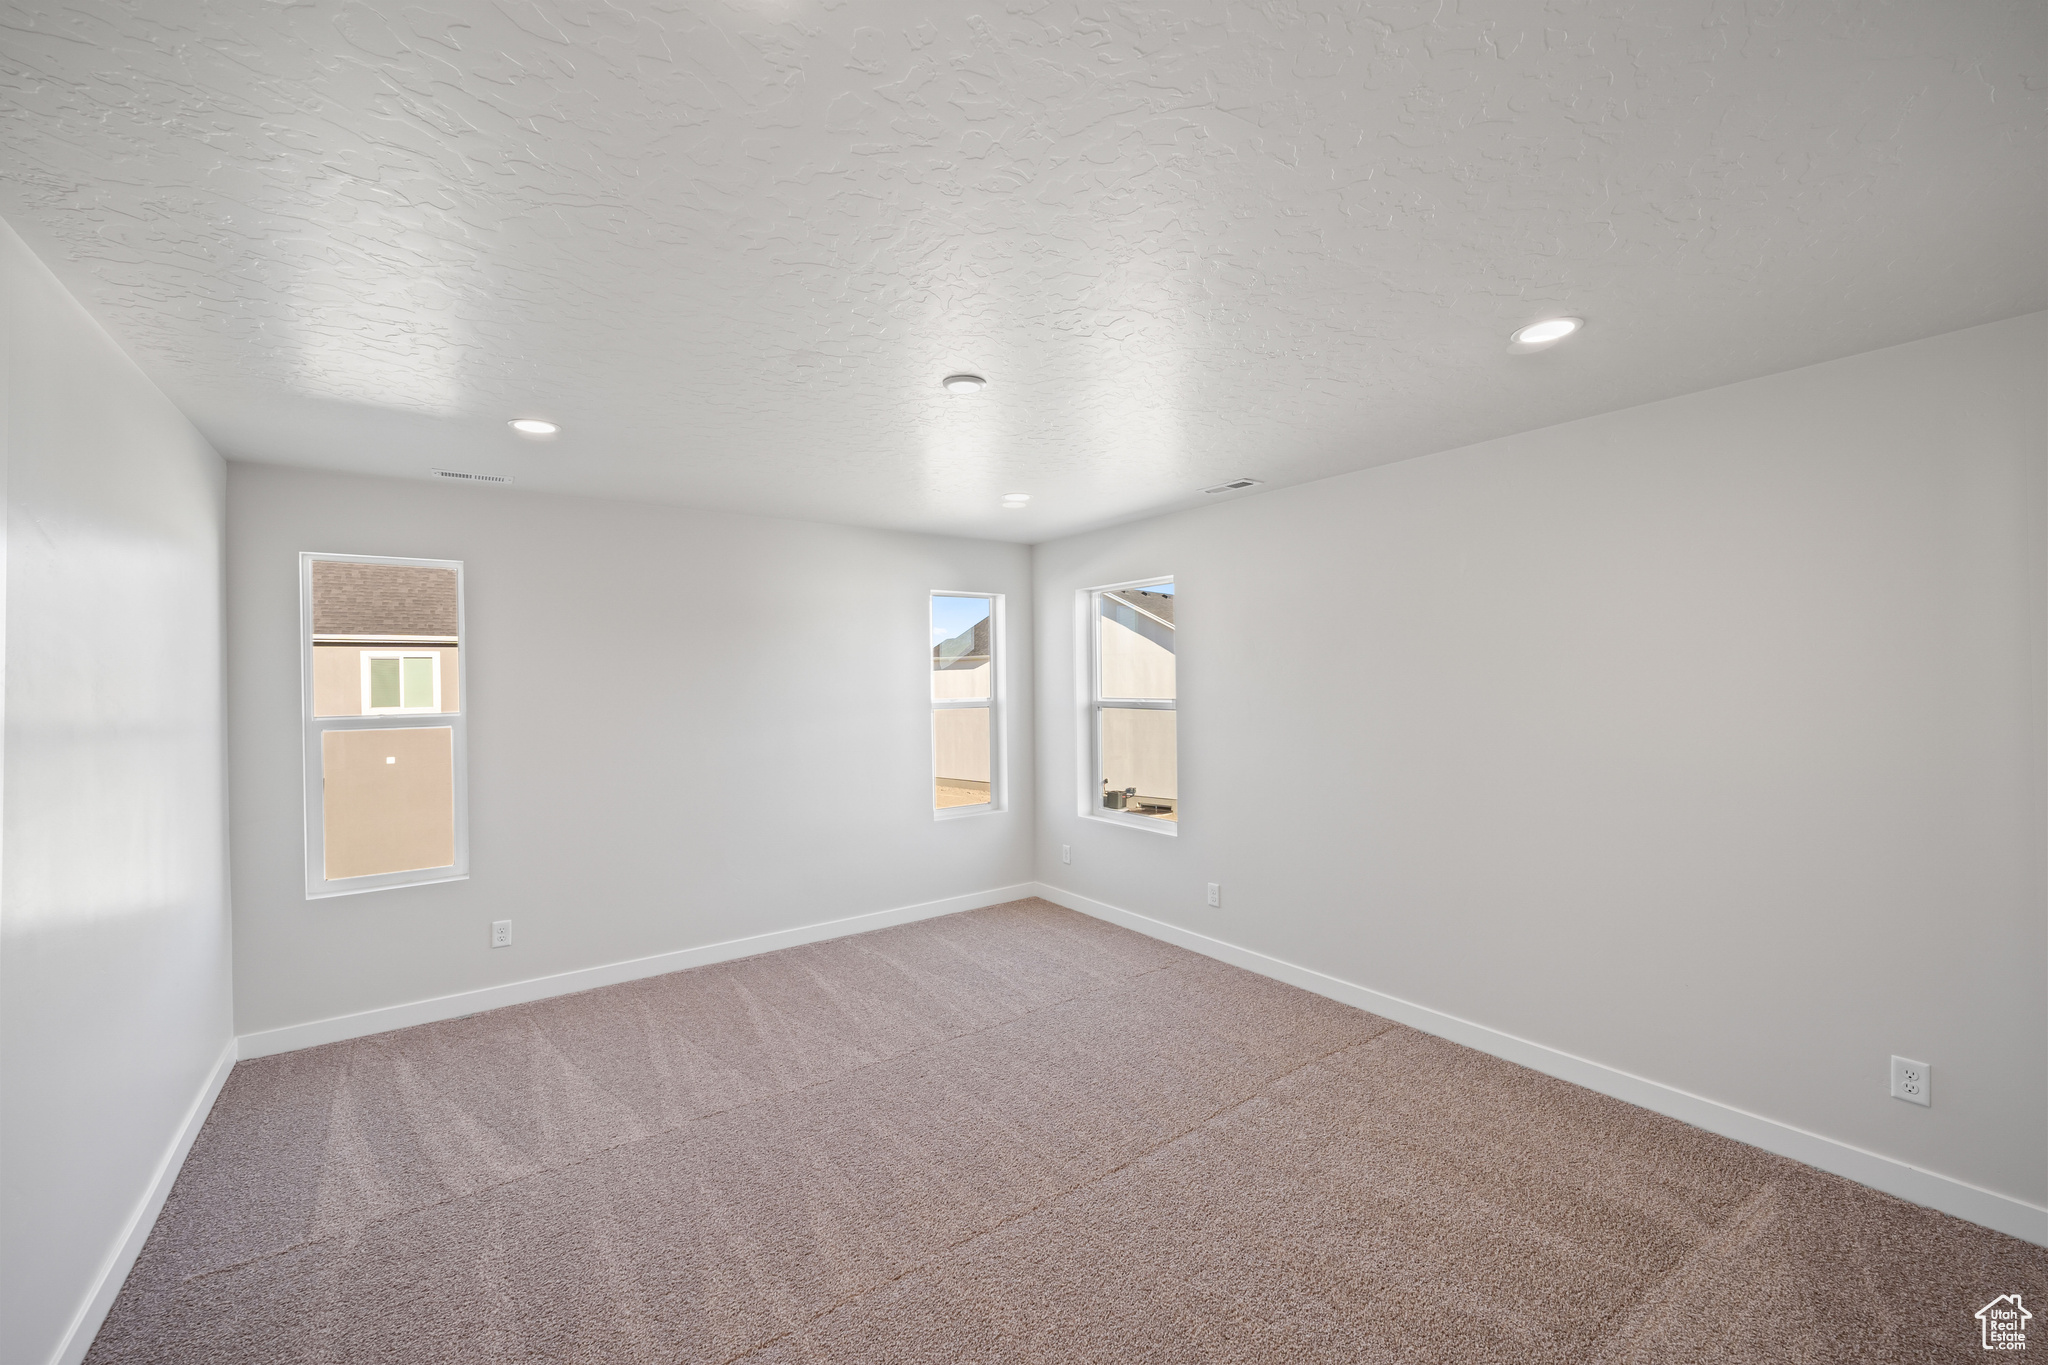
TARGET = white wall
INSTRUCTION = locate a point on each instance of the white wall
(1704, 740)
(765, 763)
(114, 961)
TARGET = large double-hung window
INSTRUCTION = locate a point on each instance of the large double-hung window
(1134, 705)
(386, 795)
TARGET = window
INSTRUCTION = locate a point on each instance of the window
(1133, 703)
(393, 681)
(966, 690)
(385, 743)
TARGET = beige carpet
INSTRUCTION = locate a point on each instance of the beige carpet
(1010, 1135)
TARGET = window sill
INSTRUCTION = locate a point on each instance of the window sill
(322, 895)
(1170, 828)
(965, 812)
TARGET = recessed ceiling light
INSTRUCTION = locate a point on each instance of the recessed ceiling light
(963, 383)
(1016, 500)
(532, 426)
(1545, 332)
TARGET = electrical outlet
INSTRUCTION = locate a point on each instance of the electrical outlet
(1912, 1081)
(1216, 894)
(501, 933)
(1066, 853)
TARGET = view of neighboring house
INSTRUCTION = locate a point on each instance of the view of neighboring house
(386, 641)
(961, 668)
(1137, 661)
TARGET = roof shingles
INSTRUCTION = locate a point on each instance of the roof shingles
(383, 599)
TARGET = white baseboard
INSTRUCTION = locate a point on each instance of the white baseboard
(2014, 1217)
(85, 1324)
(295, 1036)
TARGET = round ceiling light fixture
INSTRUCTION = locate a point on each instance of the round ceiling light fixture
(964, 383)
(1545, 333)
(532, 426)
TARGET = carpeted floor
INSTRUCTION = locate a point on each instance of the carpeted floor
(1015, 1134)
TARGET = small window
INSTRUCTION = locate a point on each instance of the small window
(1134, 705)
(965, 696)
(396, 682)
(386, 751)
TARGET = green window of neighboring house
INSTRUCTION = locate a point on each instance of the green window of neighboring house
(402, 682)
(384, 688)
(419, 681)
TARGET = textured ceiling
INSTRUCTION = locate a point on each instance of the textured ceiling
(734, 247)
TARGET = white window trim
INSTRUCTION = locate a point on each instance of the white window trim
(1088, 649)
(318, 886)
(995, 703)
(401, 655)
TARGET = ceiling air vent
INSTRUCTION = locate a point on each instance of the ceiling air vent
(471, 478)
(1232, 486)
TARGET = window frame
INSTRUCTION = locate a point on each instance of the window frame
(1089, 612)
(994, 704)
(312, 727)
(402, 655)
